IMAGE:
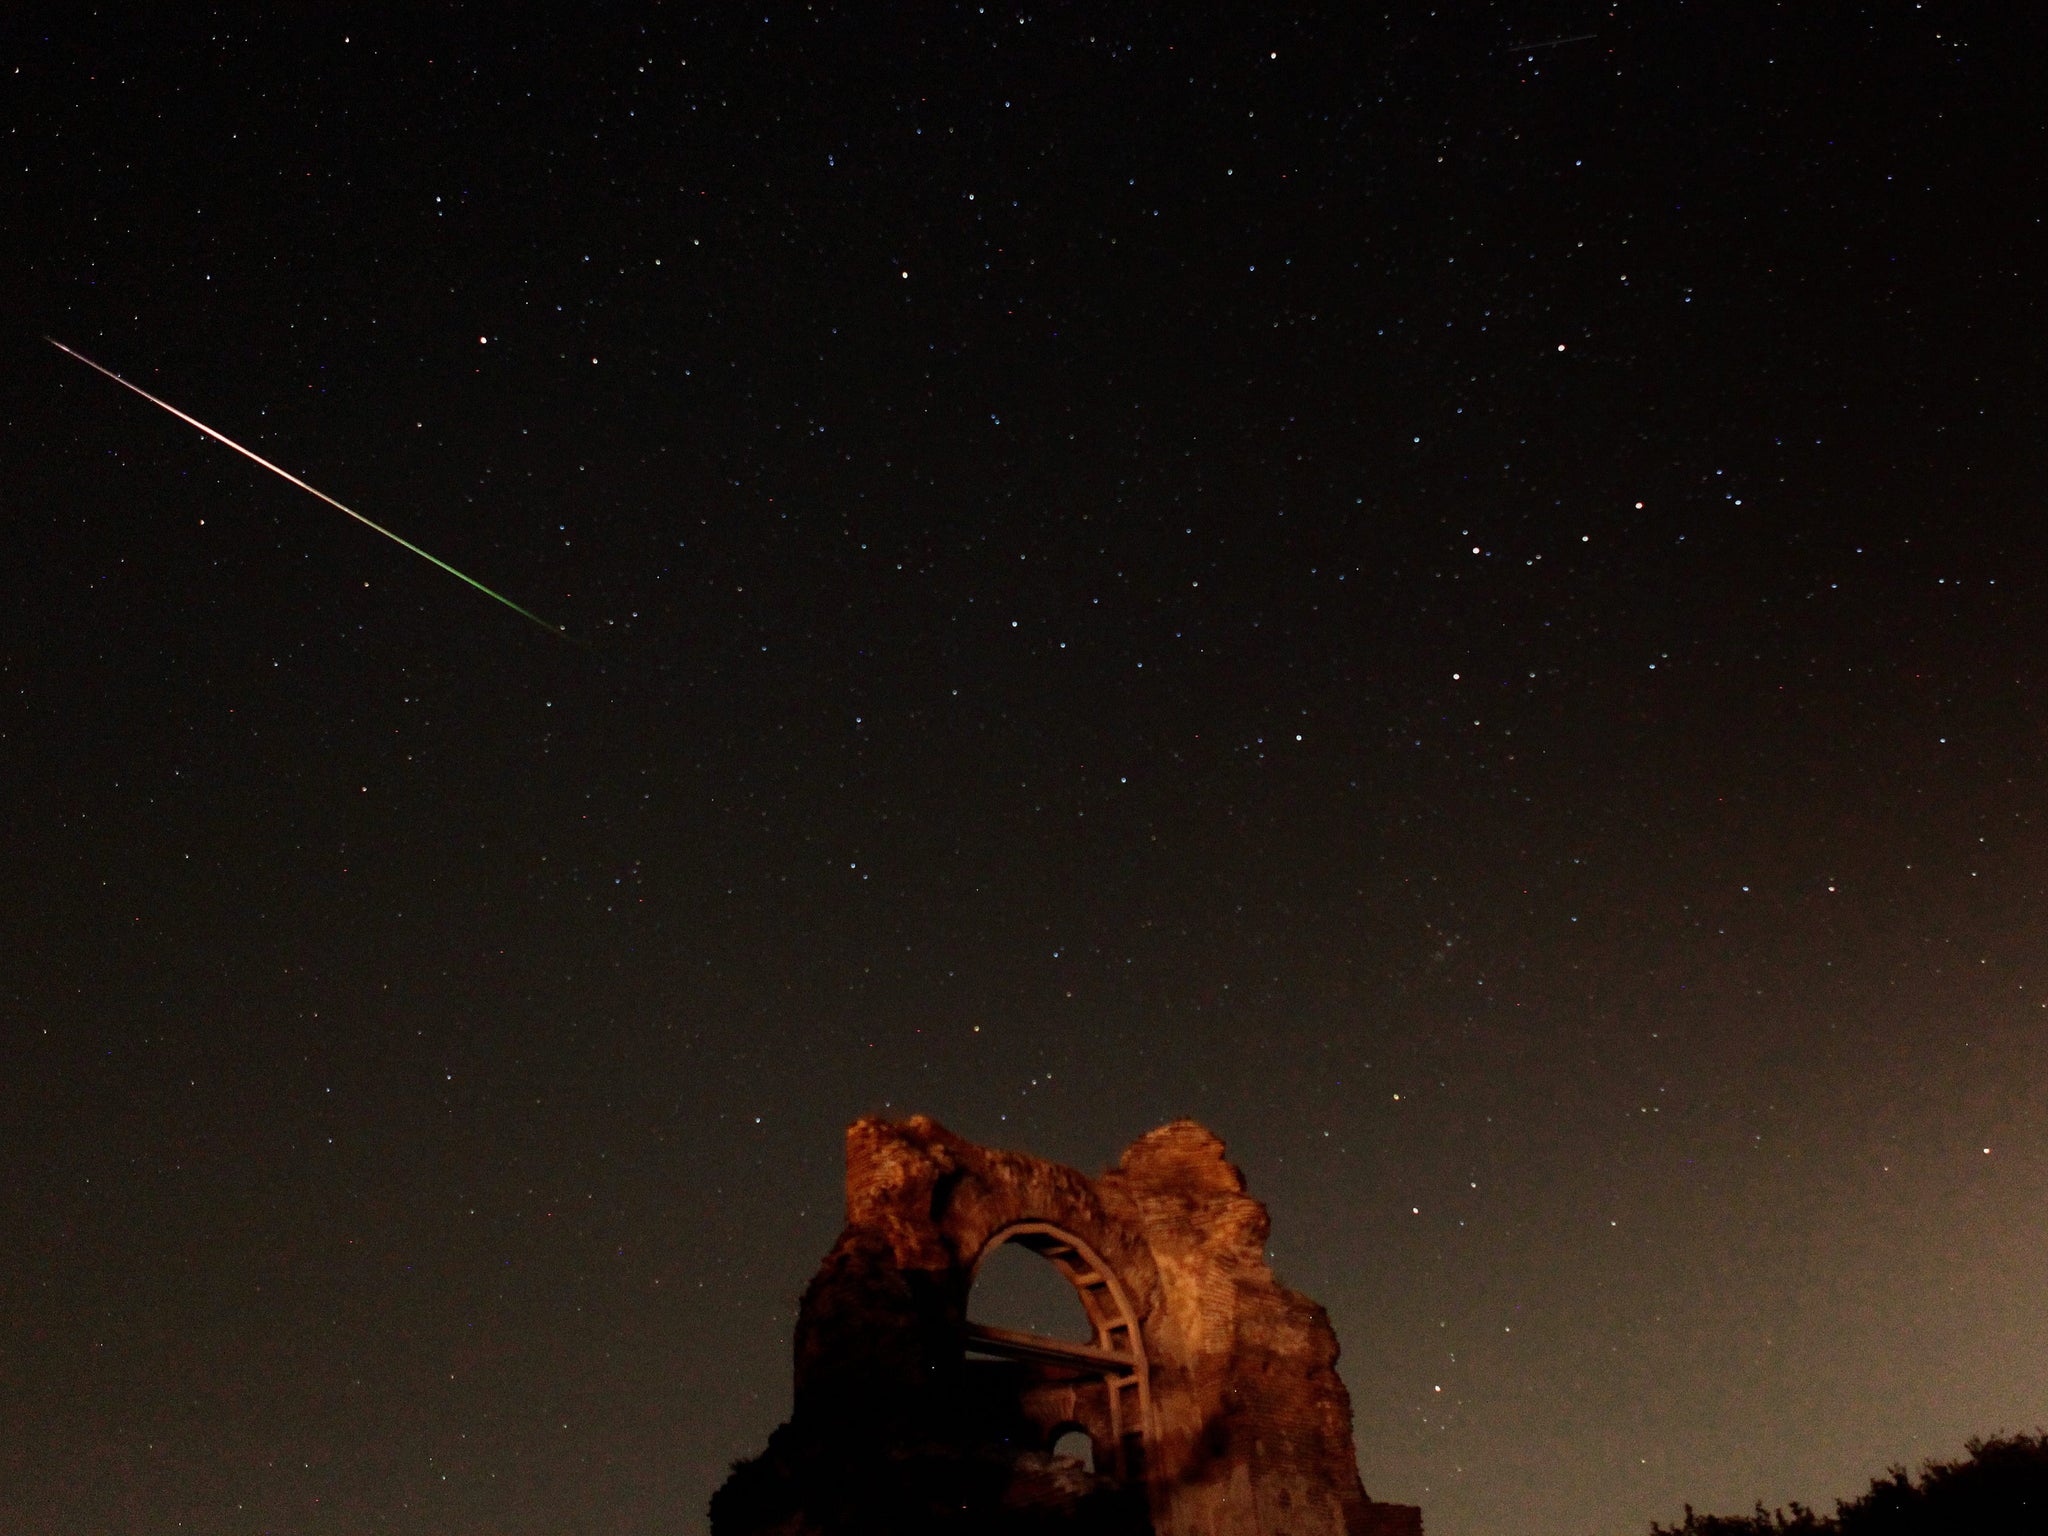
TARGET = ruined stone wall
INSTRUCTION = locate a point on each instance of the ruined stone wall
(1254, 1423)
(1245, 1427)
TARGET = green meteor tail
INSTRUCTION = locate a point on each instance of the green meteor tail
(404, 543)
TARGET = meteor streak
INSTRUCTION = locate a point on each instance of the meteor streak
(1555, 42)
(226, 441)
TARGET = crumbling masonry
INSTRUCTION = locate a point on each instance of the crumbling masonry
(1209, 1393)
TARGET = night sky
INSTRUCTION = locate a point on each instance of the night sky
(1473, 616)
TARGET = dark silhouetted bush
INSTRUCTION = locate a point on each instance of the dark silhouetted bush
(1999, 1489)
(1801, 1521)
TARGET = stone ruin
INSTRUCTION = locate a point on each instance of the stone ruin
(1208, 1395)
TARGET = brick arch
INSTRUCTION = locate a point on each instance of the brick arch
(1116, 1355)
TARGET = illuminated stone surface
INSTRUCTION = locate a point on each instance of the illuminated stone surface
(1209, 1392)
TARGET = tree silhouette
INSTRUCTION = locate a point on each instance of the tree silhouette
(1999, 1489)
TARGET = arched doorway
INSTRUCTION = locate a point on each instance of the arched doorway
(1074, 1441)
(1102, 1386)
(1016, 1289)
